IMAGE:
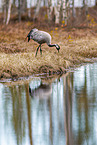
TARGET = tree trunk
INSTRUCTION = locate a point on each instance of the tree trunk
(4, 11)
(38, 5)
(50, 8)
(24, 5)
(13, 3)
(64, 12)
(57, 12)
(73, 9)
(95, 2)
(85, 6)
(9, 12)
(44, 3)
(19, 10)
(29, 10)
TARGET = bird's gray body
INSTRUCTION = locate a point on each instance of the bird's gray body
(40, 36)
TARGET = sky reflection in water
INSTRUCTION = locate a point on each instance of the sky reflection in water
(63, 112)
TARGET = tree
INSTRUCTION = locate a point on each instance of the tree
(61, 11)
(29, 10)
(57, 12)
(85, 6)
(19, 10)
(9, 12)
(38, 4)
(4, 11)
(50, 8)
(64, 12)
(73, 9)
(95, 2)
(24, 5)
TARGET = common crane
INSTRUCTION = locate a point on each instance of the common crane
(41, 37)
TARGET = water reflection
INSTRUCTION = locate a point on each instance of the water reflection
(59, 113)
(43, 91)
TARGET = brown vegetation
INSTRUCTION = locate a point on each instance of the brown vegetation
(17, 57)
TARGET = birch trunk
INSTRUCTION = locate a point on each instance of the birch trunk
(4, 11)
(38, 5)
(19, 10)
(50, 8)
(85, 6)
(73, 9)
(64, 12)
(9, 12)
(29, 10)
(57, 12)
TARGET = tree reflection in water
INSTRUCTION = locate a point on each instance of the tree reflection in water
(59, 113)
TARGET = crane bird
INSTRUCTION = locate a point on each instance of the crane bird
(41, 37)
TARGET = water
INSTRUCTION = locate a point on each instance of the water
(61, 112)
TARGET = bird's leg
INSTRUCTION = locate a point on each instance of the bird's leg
(37, 50)
(40, 50)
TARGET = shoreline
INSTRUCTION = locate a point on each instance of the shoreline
(46, 75)
(17, 58)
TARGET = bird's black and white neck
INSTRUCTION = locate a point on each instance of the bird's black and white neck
(56, 45)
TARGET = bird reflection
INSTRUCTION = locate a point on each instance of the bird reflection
(42, 92)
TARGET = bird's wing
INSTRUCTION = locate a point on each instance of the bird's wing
(42, 37)
(39, 37)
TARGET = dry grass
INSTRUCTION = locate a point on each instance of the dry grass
(18, 59)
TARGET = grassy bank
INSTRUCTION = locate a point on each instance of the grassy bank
(17, 57)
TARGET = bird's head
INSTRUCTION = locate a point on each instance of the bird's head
(31, 33)
(57, 47)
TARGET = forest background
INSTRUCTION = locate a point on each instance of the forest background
(58, 11)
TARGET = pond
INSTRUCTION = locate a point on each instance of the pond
(48, 111)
